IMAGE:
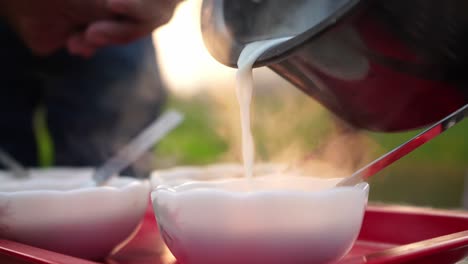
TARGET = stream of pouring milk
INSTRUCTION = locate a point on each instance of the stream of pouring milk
(247, 58)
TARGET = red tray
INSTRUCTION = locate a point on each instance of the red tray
(390, 234)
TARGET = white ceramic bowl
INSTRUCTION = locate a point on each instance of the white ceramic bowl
(271, 219)
(56, 209)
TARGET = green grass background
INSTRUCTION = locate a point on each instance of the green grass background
(433, 175)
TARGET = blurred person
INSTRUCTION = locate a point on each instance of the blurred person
(90, 64)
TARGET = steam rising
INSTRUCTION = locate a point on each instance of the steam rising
(293, 129)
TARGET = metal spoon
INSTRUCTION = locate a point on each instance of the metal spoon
(139, 145)
(402, 150)
(13, 165)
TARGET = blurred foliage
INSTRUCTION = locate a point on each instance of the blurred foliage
(432, 175)
(43, 139)
(195, 141)
(288, 126)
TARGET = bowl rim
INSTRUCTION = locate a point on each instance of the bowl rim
(174, 190)
(126, 183)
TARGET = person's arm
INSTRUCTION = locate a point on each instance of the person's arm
(132, 19)
(45, 25)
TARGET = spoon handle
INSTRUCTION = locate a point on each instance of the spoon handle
(11, 164)
(407, 147)
(139, 145)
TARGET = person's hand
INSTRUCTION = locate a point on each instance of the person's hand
(132, 19)
(46, 25)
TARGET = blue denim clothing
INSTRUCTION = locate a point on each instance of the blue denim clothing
(93, 106)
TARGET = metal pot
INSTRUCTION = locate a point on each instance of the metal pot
(379, 65)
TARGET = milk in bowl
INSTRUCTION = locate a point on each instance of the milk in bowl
(266, 219)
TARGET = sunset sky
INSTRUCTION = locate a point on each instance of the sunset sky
(184, 61)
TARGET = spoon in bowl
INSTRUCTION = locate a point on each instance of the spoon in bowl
(406, 148)
(13, 165)
(139, 145)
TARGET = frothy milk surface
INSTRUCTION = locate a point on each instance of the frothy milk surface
(247, 58)
(295, 220)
